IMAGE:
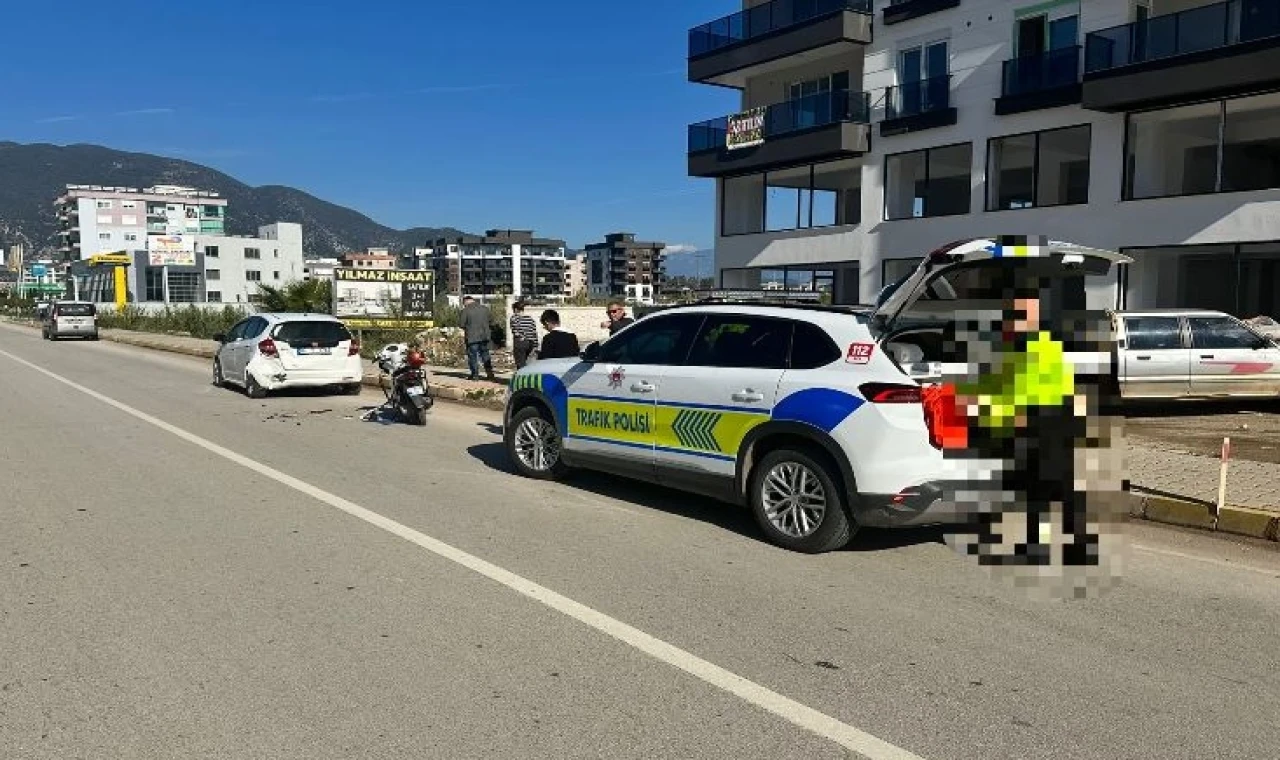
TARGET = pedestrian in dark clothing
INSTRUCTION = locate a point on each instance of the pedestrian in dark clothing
(476, 322)
(618, 318)
(524, 334)
(558, 343)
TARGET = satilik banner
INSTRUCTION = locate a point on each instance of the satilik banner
(745, 129)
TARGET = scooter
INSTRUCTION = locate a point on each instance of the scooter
(410, 394)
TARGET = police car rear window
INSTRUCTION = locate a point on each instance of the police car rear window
(811, 347)
(324, 333)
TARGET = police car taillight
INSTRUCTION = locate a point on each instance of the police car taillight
(890, 393)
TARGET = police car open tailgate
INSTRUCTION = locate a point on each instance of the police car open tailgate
(968, 253)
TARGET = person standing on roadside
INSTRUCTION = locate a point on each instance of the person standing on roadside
(476, 323)
(618, 318)
(524, 334)
(558, 343)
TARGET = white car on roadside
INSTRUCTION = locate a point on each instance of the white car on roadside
(270, 352)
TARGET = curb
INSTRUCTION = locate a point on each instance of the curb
(1238, 521)
(487, 398)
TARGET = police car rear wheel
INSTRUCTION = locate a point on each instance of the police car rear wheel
(534, 445)
(797, 503)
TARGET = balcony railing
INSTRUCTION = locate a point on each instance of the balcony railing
(1038, 73)
(917, 98)
(752, 23)
(809, 112)
(1191, 31)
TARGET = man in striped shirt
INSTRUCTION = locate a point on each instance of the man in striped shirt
(524, 334)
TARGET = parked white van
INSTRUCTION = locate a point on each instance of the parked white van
(70, 318)
(1193, 354)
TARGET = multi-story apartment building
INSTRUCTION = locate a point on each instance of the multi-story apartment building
(575, 275)
(871, 132)
(94, 219)
(501, 262)
(623, 267)
(373, 258)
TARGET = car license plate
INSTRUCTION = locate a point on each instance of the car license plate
(414, 390)
(308, 351)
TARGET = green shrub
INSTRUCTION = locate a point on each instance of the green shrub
(185, 320)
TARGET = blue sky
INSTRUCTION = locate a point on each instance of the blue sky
(565, 116)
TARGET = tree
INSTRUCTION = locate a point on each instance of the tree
(298, 296)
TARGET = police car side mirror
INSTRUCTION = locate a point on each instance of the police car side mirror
(220, 338)
(592, 352)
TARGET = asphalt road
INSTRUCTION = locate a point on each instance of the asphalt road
(185, 572)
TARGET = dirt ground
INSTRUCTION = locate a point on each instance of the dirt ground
(1199, 427)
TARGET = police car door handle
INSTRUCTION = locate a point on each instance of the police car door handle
(748, 395)
(642, 387)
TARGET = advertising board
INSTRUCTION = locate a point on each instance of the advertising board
(388, 298)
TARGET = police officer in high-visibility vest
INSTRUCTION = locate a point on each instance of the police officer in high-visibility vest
(1027, 407)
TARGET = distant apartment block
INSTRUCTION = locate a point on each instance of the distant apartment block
(575, 275)
(319, 269)
(501, 262)
(623, 267)
(374, 258)
(95, 219)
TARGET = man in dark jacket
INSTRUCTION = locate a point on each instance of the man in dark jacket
(558, 343)
(476, 324)
(618, 318)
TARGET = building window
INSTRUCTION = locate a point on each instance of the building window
(104, 236)
(213, 274)
(254, 253)
(129, 221)
(154, 284)
(184, 287)
(214, 296)
(275, 275)
(1220, 147)
(1038, 169)
(130, 237)
(252, 275)
(211, 251)
(104, 204)
(893, 270)
(802, 197)
(927, 183)
(128, 204)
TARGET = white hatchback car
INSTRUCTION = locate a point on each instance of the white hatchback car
(268, 352)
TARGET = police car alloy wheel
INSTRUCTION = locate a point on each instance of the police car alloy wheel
(534, 445)
(797, 504)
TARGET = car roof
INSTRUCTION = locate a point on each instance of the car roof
(290, 316)
(831, 317)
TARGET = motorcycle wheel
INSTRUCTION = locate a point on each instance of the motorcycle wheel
(414, 415)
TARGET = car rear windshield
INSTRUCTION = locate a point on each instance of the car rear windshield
(75, 310)
(324, 333)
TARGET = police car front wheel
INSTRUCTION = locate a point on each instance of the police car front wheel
(797, 503)
(534, 445)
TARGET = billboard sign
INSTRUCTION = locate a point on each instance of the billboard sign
(384, 297)
(171, 250)
(745, 129)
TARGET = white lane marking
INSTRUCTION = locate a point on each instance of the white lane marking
(1207, 560)
(801, 715)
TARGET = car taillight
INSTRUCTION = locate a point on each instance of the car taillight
(267, 347)
(354, 348)
(890, 393)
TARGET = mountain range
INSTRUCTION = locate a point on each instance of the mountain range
(33, 175)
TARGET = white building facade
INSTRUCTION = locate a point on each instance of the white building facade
(890, 128)
(235, 265)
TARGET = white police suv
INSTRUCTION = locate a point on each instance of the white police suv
(809, 415)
